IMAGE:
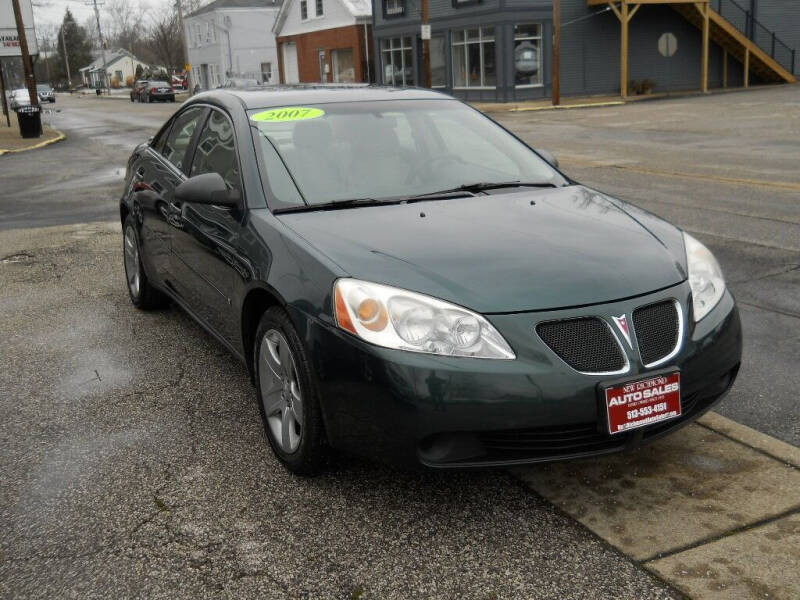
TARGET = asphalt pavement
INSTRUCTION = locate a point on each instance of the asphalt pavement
(134, 460)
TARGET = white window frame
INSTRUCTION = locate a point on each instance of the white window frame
(401, 47)
(394, 8)
(268, 71)
(522, 38)
(303, 5)
(480, 41)
(319, 4)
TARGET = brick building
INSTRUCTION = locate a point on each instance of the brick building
(325, 41)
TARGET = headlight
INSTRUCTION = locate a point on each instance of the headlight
(395, 318)
(705, 277)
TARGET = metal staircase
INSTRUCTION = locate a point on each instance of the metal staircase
(740, 35)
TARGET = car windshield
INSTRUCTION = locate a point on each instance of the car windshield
(43, 87)
(316, 154)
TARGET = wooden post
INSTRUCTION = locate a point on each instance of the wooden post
(27, 67)
(724, 68)
(704, 68)
(623, 75)
(747, 67)
(426, 47)
(556, 52)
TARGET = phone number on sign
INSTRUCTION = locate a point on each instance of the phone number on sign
(646, 411)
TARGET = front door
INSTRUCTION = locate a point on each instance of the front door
(323, 76)
(209, 267)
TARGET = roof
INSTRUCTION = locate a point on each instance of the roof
(221, 4)
(293, 95)
(359, 9)
(111, 57)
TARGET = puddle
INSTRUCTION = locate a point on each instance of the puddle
(19, 257)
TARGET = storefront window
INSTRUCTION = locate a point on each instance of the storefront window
(437, 61)
(474, 58)
(344, 70)
(528, 55)
(397, 57)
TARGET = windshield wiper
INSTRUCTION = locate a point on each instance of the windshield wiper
(481, 186)
(332, 205)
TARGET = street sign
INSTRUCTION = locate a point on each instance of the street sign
(667, 45)
(425, 32)
(9, 40)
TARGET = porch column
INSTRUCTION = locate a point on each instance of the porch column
(703, 8)
(623, 75)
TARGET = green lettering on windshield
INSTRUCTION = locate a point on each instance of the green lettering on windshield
(289, 113)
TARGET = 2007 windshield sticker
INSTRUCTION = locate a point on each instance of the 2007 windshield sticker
(288, 113)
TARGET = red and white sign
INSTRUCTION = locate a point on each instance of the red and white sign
(643, 402)
(9, 40)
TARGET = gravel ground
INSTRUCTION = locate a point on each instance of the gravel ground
(135, 466)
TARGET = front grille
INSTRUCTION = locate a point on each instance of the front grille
(585, 344)
(657, 329)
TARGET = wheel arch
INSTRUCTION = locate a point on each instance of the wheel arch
(256, 302)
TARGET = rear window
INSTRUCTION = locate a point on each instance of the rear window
(159, 84)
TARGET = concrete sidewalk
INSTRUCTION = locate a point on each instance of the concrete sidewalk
(714, 510)
(11, 141)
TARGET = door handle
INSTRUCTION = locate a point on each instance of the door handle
(140, 172)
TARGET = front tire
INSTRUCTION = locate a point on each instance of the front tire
(143, 295)
(287, 395)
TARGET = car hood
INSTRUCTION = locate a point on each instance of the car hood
(535, 249)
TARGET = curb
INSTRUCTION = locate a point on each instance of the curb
(60, 137)
(568, 106)
(752, 438)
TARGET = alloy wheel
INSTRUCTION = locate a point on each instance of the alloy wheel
(132, 262)
(280, 391)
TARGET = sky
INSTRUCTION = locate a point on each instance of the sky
(52, 11)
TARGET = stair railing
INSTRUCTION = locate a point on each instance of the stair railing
(745, 22)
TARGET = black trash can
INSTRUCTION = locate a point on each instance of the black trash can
(30, 121)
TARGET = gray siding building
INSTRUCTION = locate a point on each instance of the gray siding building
(502, 50)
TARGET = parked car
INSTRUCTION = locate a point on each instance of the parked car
(180, 82)
(45, 92)
(157, 91)
(405, 279)
(138, 89)
(19, 97)
(239, 83)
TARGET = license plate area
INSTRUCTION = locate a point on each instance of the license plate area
(633, 404)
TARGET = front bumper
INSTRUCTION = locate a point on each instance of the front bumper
(457, 412)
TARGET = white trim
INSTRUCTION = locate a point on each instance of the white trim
(678, 346)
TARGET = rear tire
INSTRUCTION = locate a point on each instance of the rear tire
(287, 396)
(142, 293)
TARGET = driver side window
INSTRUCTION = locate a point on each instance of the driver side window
(216, 151)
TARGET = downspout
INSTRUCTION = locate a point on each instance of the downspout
(366, 50)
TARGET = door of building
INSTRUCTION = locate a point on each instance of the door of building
(290, 70)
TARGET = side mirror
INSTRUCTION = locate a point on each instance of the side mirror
(548, 156)
(208, 188)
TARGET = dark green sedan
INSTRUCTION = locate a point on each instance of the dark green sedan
(407, 280)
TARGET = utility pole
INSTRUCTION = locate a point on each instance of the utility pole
(189, 76)
(426, 44)
(66, 56)
(3, 92)
(556, 52)
(102, 42)
(47, 59)
(26, 57)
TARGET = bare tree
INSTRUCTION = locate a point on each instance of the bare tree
(165, 38)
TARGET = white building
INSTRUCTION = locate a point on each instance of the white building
(119, 63)
(232, 38)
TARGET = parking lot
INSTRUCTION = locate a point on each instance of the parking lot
(135, 463)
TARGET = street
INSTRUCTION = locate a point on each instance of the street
(135, 463)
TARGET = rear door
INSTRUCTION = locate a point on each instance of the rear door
(210, 266)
